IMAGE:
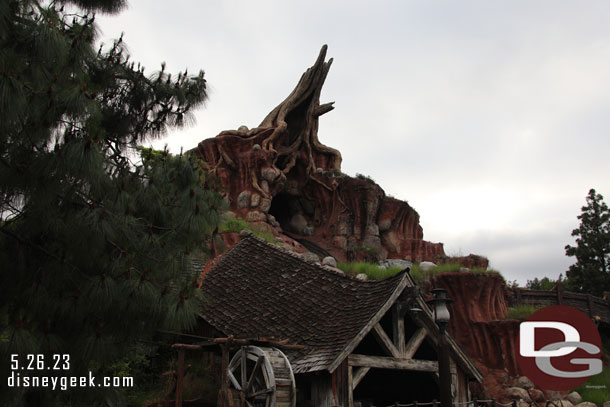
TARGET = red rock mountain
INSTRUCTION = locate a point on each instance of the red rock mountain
(280, 177)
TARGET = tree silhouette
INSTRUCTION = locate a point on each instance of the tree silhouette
(591, 272)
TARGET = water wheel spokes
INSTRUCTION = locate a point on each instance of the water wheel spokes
(261, 377)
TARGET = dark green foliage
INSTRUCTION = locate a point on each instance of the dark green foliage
(94, 241)
(591, 272)
(545, 283)
(372, 271)
(521, 312)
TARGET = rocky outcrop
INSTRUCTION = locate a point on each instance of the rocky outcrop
(478, 318)
(477, 323)
(280, 174)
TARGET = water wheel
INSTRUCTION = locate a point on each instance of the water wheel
(261, 377)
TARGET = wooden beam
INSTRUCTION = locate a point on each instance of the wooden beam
(350, 387)
(234, 380)
(224, 377)
(414, 342)
(359, 375)
(393, 363)
(398, 322)
(244, 363)
(385, 341)
(180, 374)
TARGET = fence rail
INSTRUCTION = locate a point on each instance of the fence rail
(484, 403)
(587, 303)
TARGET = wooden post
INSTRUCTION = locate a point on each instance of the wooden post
(444, 370)
(398, 325)
(223, 395)
(350, 389)
(590, 303)
(559, 293)
(180, 373)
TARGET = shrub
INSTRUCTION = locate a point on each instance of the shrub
(420, 275)
(236, 225)
(372, 271)
(521, 312)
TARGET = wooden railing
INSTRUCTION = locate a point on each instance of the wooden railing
(587, 303)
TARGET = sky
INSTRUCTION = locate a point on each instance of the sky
(491, 118)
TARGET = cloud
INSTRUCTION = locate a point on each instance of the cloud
(491, 118)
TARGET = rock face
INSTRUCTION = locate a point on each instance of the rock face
(477, 323)
(281, 174)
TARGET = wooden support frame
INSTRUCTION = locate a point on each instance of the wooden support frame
(398, 325)
(383, 362)
(414, 343)
(385, 341)
(358, 375)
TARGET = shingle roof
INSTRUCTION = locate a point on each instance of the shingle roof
(259, 290)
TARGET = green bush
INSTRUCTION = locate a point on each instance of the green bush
(521, 312)
(372, 271)
(236, 225)
(420, 275)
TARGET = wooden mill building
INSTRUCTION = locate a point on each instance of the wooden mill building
(364, 342)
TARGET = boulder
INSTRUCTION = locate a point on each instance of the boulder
(403, 264)
(607, 404)
(517, 393)
(553, 395)
(270, 174)
(537, 395)
(563, 403)
(426, 265)
(243, 199)
(329, 261)
(574, 398)
(362, 277)
(265, 204)
(272, 221)
(524, 382)
(586, 404)
(256, 216)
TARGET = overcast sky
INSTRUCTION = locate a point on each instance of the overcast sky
(491, 118)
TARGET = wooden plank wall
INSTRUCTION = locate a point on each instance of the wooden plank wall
(330, 390)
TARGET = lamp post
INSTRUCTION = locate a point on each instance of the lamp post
(441, 318)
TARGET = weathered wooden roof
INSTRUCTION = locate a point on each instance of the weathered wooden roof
(259, 290)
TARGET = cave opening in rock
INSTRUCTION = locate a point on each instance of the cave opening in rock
(293, 213)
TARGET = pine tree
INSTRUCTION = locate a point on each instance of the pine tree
(94, 241)
(591, 272)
